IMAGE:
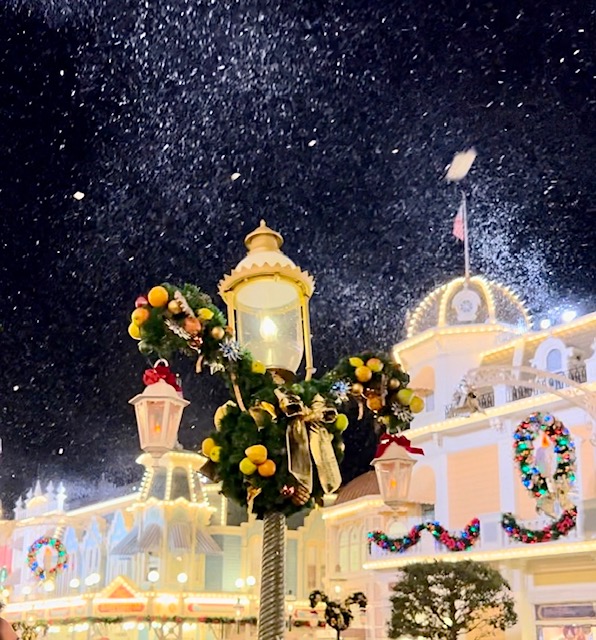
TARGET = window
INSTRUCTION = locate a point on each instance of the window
(554, 362)
(429, 402)
(355, 545)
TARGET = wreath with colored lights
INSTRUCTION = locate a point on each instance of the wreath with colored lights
(34, 565)
(462, 542)
(277, 445)
(548, 493)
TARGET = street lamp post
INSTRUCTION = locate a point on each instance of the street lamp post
(267, 297)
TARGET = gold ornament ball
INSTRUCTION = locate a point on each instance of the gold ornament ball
(174, 307)
(207, 446)
(404, 396)
(218, 333)
(257, 454)
(363, 373)
(357, 389)
(134, 331)
(356, 362)
(158, 297)
(394, 384)
(375, 365)
(247, 467)
(267, 469)
(215, 454)
(416, 404)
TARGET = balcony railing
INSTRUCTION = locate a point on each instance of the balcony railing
(492, 538)
(521, 391)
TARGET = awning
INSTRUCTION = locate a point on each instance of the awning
(180, 536)
(207, 545)
(150, 539)
(128, 546)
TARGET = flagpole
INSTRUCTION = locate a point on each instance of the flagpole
(464, 205)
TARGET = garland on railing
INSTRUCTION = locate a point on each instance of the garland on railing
(462, 542)
(553, 531)
(44, 624)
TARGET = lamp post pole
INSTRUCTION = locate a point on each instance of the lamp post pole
(267, 297)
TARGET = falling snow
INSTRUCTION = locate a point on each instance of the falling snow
(142, 141)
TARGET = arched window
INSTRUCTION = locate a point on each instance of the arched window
(344, 550)
(355, 548)
(554, 361)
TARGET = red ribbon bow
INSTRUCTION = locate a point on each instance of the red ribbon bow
(401, 441)
(161, 372)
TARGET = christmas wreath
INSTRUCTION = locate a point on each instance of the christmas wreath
(462, 542)
(34, 565)
(277, 445)
(548, 492)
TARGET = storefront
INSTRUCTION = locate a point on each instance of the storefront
(566, 621)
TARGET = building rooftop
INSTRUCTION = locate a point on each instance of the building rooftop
(476, 301)
(364, 485)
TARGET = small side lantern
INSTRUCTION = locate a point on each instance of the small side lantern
(158, 412)
(393, 467)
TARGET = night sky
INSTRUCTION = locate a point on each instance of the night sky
(340, 119)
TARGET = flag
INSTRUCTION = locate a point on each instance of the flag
(458, 223)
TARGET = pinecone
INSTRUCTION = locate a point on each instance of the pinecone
(301, 495)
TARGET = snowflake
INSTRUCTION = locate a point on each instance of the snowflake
(340, 389)
(230, 350)
(403, 414)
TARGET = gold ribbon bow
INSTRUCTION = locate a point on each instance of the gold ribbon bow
(307, 434)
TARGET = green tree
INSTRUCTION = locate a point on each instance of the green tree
(444, 600)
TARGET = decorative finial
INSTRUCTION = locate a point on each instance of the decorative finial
(263, 239)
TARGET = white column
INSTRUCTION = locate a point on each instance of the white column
(520, 583)
(442, 490)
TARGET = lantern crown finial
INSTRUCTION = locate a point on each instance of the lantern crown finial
(263, 239)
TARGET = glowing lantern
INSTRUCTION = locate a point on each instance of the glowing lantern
(158, 411)
(267, 297)
(393, 467)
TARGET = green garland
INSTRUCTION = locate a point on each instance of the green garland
(247, 450)
(44, 624)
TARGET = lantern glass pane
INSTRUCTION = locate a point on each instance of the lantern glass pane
(269, 322)
(394, 480)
